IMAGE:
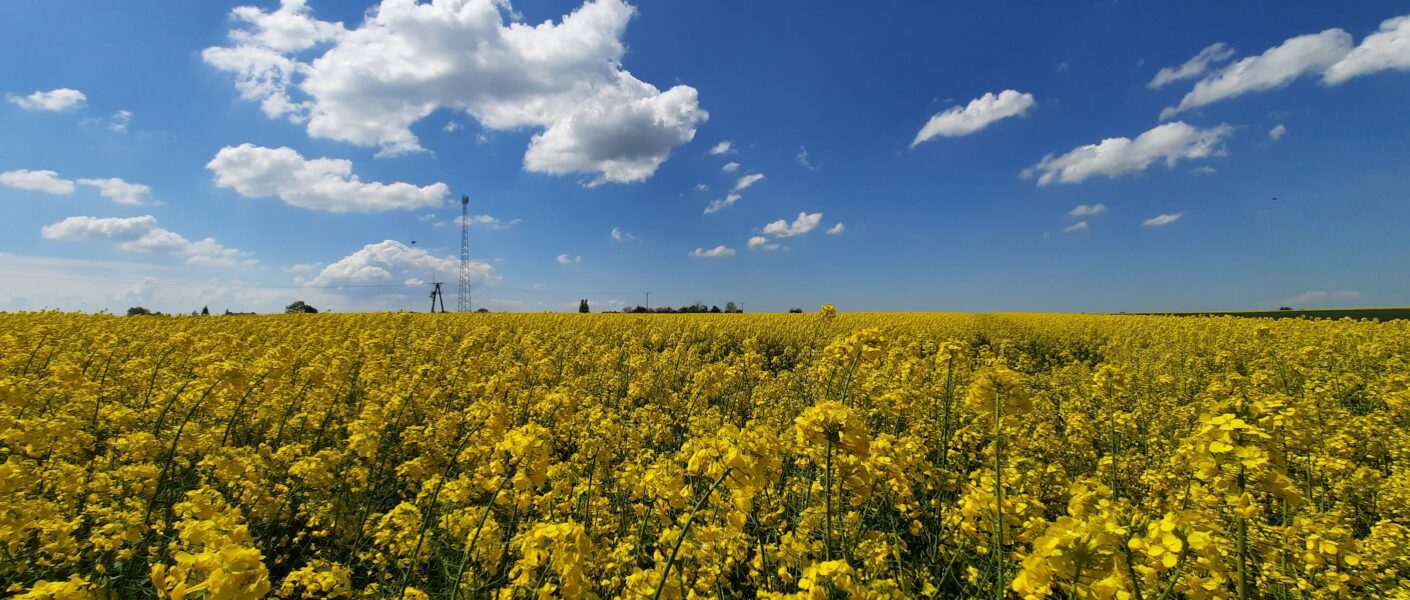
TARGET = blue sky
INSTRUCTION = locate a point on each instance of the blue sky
(926, 157)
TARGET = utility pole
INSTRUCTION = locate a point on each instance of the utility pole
(463, 302)
(437, 295)
(648, 301)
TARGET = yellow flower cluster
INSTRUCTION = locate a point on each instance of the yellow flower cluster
(830, 455)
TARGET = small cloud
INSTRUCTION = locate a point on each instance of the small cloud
(36, 181)
(716, 252)
(729, 167)
(1063, 66)
(1162, 220)
(488, 221)
(803, 224)
(621, 236)
(452, 127)
(1169, 143)
(978, 114)
(1277, 132)
(119, 121)
(1204, 170)
(564, 259)
(760, 242)
(1214, 53)
(426, 217)
(803, 159)
(700, 187)
(835, 229)
(1087, 210)
(724, 147)
(304, 267)
(119, 191)
(1078, 226)
(57, 100)
(719, 204)
(747, 180)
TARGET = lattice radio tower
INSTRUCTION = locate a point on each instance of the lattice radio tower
(463, 304)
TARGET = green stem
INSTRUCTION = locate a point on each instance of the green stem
(465, 557)
(827, 492)
(998, 495)
(660, 585)
(1243, 558)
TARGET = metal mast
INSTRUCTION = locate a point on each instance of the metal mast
(463, 304)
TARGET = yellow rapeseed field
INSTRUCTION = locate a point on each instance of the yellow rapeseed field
(669, 456)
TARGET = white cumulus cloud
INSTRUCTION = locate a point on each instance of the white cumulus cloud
(564, 259)
(319, 184)
(747, 181)
(488, 221)
(621, 236)
(1075, 227)
(1387, 49)
(119, 191)
(120, 120)
(722, 147)
(406, 60)
(1275, 68)
(730, 167)
(719, 204)
(1214, 53)
(1087, 210)
(760, 242)
(978, 114)
(1162, 219)
(836, 229)
(48, 182)
(390, 262)
(803, 224)
(1113, 157)
(52, 101)
(143, 234)
(716, 252)
(1277, 132)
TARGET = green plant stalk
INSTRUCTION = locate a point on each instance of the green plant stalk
(1242, 541)
(949, 399)
(660, 585)
(465, 557)
(429, 516)
(1243, 558)
(827, 493)
(998, 496)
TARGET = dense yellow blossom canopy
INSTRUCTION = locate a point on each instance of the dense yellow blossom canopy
(821, 455)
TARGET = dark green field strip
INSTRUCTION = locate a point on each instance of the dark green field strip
(1375, 314)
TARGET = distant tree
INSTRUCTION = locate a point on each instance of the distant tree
(714, 309)
(205, 311)
(795, 310)
(483, 310)
(583, 306)
(137, 311)
(730, 307)
(299, 307)
(1284, 308)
